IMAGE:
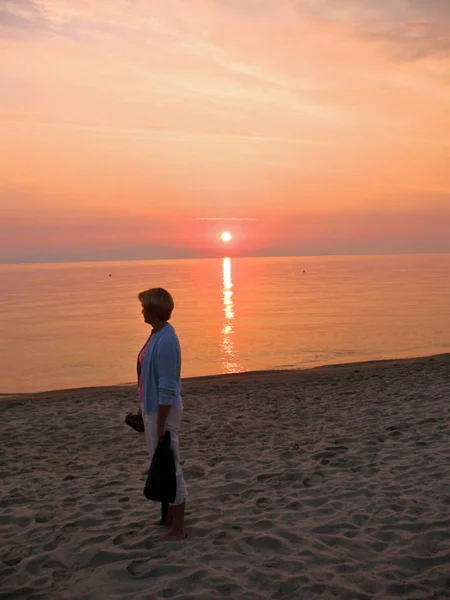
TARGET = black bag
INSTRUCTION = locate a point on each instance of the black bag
(135, 421)
(161, 484)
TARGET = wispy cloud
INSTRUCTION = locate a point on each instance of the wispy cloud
(222, 219)
(19, 18)
(410, 29)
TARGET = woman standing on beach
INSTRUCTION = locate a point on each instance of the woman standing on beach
(159, 367)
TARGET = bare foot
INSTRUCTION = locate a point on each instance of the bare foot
(172, 536)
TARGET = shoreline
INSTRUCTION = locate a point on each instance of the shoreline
(264, 375)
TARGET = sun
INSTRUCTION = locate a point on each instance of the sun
(226, 236)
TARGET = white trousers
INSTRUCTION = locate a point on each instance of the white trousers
(151, 437)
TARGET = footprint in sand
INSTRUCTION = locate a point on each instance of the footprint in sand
(337, 449)
(221, 538)
(43, 517)
(125, 538)
(396, 430)
(60, 576)
(14, 556)
(224, 537)
(315, 479)
(138, 568)
(268, 543)
(330, 452)
(195, 471)
(53, 544)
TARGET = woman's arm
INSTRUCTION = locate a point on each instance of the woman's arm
(168, 369)
(163, 413)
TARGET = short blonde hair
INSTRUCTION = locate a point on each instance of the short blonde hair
(158, 301)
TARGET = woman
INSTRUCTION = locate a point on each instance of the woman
(159, 370)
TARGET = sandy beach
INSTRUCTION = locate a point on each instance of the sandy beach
(330, 483)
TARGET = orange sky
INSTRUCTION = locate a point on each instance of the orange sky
(135, 129)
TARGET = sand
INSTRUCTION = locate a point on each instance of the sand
(331, 483)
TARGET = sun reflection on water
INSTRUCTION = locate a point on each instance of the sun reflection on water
(230, 359)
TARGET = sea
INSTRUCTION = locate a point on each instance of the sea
(80, 324)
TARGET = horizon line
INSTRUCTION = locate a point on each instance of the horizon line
(217, 256)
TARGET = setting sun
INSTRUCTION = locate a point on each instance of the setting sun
(226, 236)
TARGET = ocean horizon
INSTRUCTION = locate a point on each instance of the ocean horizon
(183, 254)
(78, 324)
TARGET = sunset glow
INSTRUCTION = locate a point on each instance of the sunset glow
(226, 236)
(131, 131)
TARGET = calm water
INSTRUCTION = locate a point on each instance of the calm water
(74, 325)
